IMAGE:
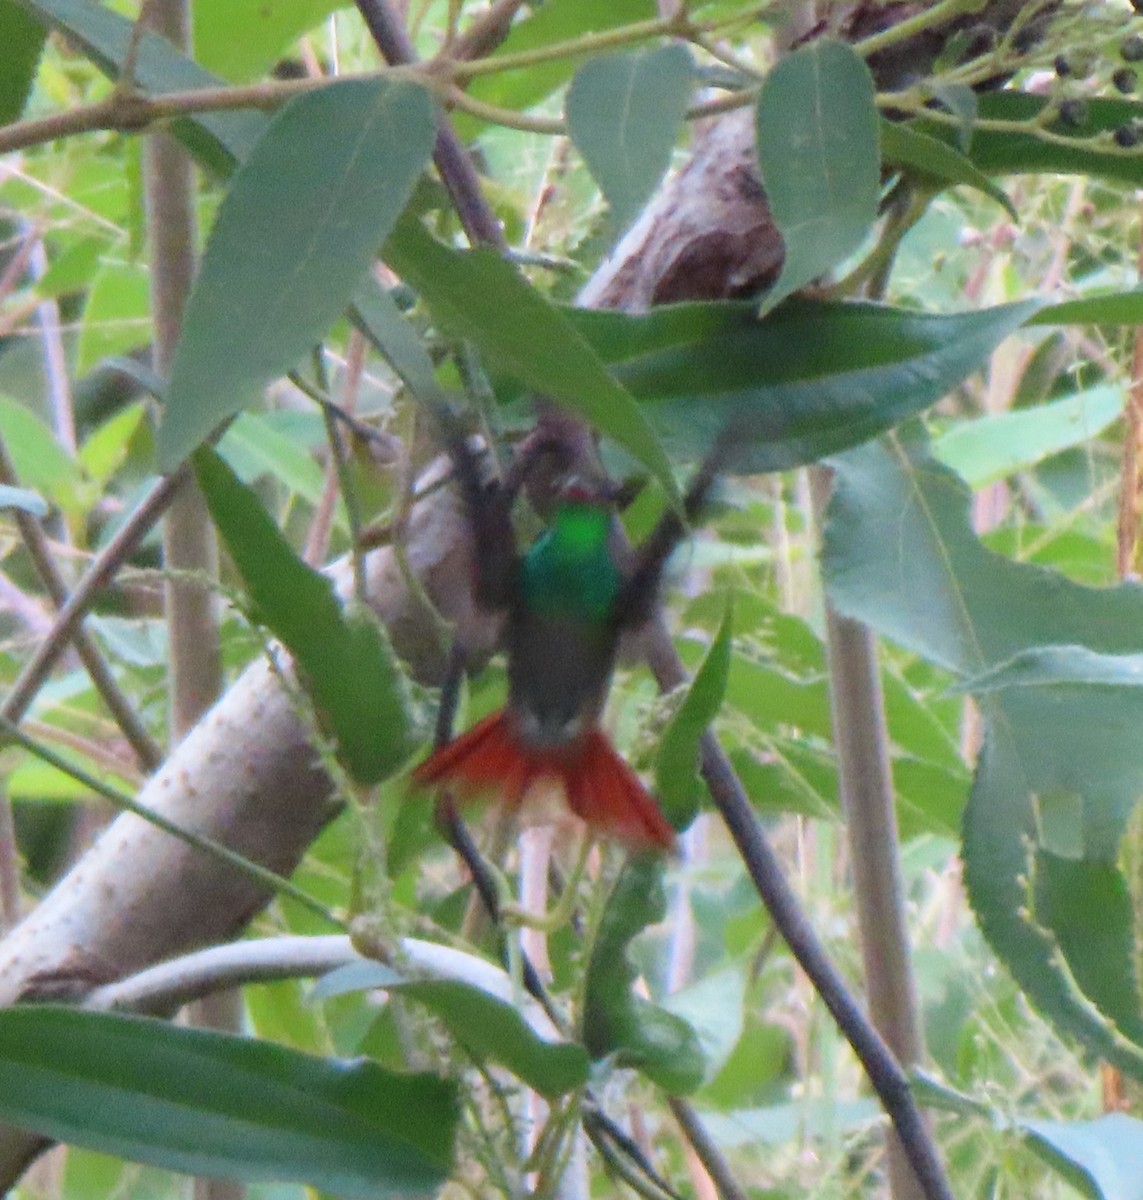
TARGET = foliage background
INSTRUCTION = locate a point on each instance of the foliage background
(970, 537)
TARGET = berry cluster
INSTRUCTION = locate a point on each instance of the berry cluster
(1073, 112)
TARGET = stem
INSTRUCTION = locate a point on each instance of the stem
(453, 162)
(939, 14)
(147, 750)
(762, 864)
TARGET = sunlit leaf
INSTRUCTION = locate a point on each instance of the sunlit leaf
(240, 41)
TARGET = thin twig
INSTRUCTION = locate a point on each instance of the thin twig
(708, 1153)
(765, 870)
(105, 564)
(148, 751)
(452, 159)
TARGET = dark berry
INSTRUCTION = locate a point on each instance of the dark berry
(1063, 67)
(1127, 136)
(1125, 80)
(1131, 49)
(1073, 113)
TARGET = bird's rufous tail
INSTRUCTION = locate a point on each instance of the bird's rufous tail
(600, 787)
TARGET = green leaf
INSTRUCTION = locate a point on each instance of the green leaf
(624, 113)
(809, 380)
(242, 40)
(22, 37)
(1009, 152)
(1117, 308)
(254, 448)
(1043, 655)
(1104, 1157)
(478, 295)
(104, 36)
(937, 161)
(546, 25)
(22, 500)
(212, 1104)
(817, 132)
(615, 1020)
(989, 448)
(294, 239)
(40, 463)
(343, 656)
(677, 783)
(488, 1027)
(714, 1008)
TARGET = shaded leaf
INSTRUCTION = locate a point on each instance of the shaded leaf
(22, 37)
(488, 1027)
(1104, 1157)
(904, 146)
(295, 235)
(478, 295)
(343, 655)
(615, 1020)
(1009, 152)
(817, 133)
(1061, 705)
(677, 784)
(212, 1104)
(624, 113)
(809, 380)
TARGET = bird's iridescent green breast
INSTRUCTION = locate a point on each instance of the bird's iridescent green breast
(569, 571)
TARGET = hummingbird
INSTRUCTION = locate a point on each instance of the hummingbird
(567, 603)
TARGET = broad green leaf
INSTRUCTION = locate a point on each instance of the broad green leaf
(1104, 1157)
(937, 161)
(817, 133)
(23, 39)
(103, 35)
(714, 1008)
(615, 1020)
(487, 1027)
(41, 464)
(343, 656)
(116, 315)
(624, 113)
(22, 500)
(105, 450)
(809, 380)
(677, 784)
(900, 554)
(213, 1104)
(478, 295)
(1005, 152)
(1117, 308)
(294, 239)
(989, 448)
(241, 39)
(548, 24)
